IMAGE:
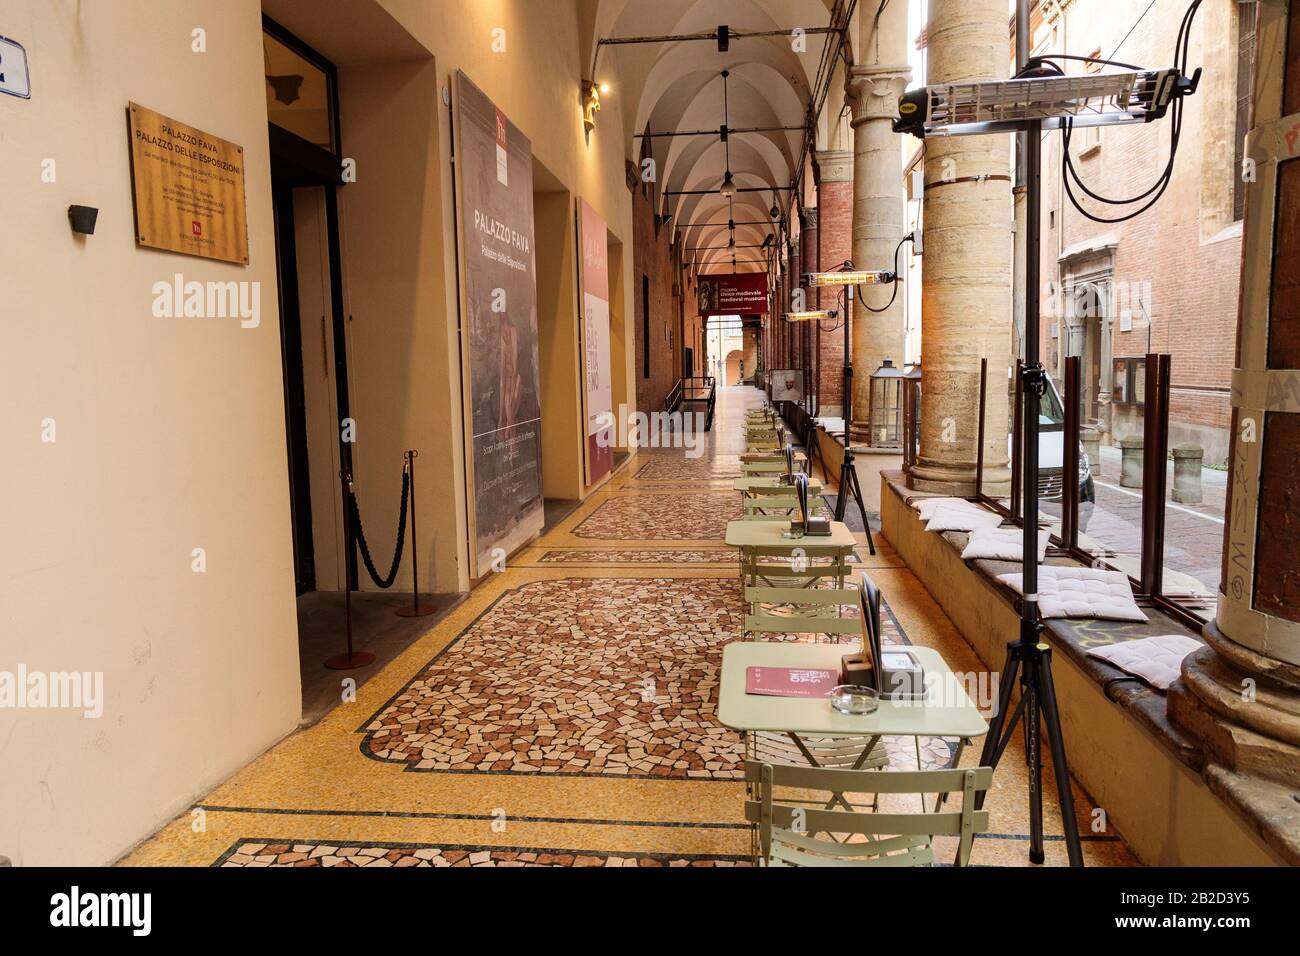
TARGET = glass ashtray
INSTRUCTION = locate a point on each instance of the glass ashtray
(854, 700)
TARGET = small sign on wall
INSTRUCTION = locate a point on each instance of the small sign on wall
(14, 76)
(189, 189)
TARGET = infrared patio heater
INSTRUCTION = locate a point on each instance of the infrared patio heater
(1041, 97)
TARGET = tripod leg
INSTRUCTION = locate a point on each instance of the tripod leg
(1052, 718)
(1033, 729)
(862, 508)
(989, 753)
(841, 495)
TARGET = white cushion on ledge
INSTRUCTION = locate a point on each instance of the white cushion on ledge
(1157, 660)
(1002, 544)
(1081, 592)
(926, 507)
(953, 518)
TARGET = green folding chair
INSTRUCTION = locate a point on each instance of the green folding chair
(793, 826)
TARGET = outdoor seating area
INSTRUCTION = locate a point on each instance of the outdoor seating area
(814, 717)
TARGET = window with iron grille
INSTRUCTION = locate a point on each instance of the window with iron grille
(645, 325)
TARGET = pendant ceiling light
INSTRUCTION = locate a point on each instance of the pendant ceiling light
(728, 181)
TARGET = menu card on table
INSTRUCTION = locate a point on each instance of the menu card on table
(790, 681)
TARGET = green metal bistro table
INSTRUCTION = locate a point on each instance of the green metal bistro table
(950, 712)
(811, 723)
(764, 487)
(750, 457)
(767, 539)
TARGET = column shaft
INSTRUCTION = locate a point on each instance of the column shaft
(966, 295)
(878, 208)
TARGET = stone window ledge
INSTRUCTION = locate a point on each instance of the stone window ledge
(1265, 806)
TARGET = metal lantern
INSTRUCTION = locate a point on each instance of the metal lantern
(887, 406)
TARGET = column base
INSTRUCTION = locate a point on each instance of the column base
(957, 479)
(1259, 737)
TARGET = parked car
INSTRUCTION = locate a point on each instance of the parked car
(1051, 459)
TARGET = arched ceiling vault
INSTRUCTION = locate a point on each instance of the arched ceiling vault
(676, 86)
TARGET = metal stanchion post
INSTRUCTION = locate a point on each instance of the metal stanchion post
(416, 609)
(350, 660)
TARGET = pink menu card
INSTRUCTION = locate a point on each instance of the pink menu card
(790, 682)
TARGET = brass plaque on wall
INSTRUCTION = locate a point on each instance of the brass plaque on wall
(189, 189)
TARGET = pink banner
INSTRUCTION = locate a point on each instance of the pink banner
(593, 235)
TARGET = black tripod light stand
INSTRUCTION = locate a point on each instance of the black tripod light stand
(848, 279)
(1042, 97)
(849, 484)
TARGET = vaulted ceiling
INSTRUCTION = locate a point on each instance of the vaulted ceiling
(677, 86)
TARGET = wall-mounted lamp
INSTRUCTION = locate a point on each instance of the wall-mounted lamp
(590, 106)
(83, 219)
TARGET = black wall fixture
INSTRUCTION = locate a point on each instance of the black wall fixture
(83, 219)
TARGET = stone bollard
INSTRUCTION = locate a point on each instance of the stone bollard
(1187, 474)
(1091, 440)
(1130, 472)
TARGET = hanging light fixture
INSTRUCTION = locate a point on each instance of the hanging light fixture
(728, 189)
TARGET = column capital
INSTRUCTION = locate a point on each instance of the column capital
(873, 91)
(833, 165)
(808, 218)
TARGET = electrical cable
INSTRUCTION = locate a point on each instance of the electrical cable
(896, 283)
(1070, 175)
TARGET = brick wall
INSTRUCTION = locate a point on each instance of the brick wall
(652, 258)
(835, 246)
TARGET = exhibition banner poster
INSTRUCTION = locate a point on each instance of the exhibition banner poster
(787, 385)
(495, 166)
(592, 235)
(742, 293)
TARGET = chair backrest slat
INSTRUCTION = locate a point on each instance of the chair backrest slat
(773, 624)
(846, 597)
(849, 781)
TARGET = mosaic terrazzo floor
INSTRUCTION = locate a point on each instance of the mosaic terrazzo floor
(563, 714)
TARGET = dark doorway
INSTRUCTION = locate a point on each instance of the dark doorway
(304, 133)
(295, 397)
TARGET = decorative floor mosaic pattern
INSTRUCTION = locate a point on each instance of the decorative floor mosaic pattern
(680, 468)
(660, 517)
(582, 676)
(576, 676)
(284, 854)
(640, 557)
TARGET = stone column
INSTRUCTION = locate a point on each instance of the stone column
(794, 282)
(808, 240)
(878, 222)
(835, 247)
(1240, 695)
(966, 294)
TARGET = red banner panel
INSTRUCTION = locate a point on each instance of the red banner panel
(743, 293)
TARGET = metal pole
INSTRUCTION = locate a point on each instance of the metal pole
(416, 609)
(848, 364)
(1033, 373)
(979, 450)
(350, 660)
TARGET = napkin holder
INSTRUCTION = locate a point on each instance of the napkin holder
(788, 478)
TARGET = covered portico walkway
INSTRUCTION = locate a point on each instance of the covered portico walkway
(564, 714)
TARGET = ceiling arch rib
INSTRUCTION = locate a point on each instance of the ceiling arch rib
(679, 84)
